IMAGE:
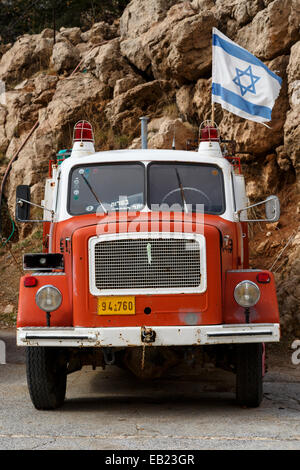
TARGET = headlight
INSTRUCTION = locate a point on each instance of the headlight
(247, 293)
(48, 298)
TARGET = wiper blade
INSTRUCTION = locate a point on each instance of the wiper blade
(182, 192)
(93, 193)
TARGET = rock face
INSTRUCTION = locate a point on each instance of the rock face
(156, 61)
(273, 30)
(139, 16)
(135, 102)
(291, 126)
(27, 56)
(64, 57)
(173, 49)
(166, 133)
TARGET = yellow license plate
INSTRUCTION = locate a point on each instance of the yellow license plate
(116, 305)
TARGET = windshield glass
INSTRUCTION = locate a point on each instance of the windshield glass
(106, 187)
(183, 186)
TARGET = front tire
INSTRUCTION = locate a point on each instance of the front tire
(46, 369)
(249, 375)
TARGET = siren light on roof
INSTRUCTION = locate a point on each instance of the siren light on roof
(209, 132)
(83, 132)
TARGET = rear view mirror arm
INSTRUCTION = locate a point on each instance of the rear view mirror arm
(249, 207)
(238, 212)
(21, 201)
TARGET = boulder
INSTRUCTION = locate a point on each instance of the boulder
(74, 98)
(21, 114)
(233, 14)
(28, 55)
(177, 48)
(110, 65)
(3, 138)
(44, 88)
(107, 63)
(139, 16)
(134, 102)
(244, 11)
(124, 84)
(272, 31)
(71, 101)
(170, 129)
(100, 32)
(73, 35)
(64, 57)
(133, 49)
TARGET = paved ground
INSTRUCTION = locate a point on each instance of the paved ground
(113, 410)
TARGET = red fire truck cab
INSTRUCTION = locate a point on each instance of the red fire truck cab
(145, 259)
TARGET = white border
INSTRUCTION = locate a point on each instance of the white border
(148, 236)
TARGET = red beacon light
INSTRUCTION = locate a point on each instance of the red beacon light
(209, 133)
(209, 138)
(83, 132)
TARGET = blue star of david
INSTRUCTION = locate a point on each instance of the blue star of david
(243, 86)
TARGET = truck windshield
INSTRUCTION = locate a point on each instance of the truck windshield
(106, 187)
(186, 186)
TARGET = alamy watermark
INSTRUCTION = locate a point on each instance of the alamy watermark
(168, 220)
(2, 93)
(296, 354)
(2, 352)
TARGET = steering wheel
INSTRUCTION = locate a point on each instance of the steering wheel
(209, 203)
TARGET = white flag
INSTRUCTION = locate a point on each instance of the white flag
(241, 83)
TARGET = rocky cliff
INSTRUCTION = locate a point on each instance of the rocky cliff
(156, 61)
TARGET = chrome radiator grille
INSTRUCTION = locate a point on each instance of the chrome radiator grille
(146, 263)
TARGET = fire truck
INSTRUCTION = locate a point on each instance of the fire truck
(145, 262)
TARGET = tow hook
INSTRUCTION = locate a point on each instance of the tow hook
(148, 335)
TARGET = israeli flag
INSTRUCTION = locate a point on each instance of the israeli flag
(241, 83)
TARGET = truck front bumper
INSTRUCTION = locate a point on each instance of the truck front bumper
(161, 335)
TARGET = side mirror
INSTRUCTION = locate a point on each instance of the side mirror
(272, 208)
(23, 203)
(272, 211)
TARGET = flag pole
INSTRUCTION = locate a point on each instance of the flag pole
(212, 112)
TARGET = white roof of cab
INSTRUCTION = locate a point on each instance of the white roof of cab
(148, 155)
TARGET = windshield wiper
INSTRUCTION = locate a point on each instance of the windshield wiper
(93, 192)
(182, 192)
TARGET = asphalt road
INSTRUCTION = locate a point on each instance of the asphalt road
(111, 409)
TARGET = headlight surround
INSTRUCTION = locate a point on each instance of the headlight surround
(247, 293)
(48, 298)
